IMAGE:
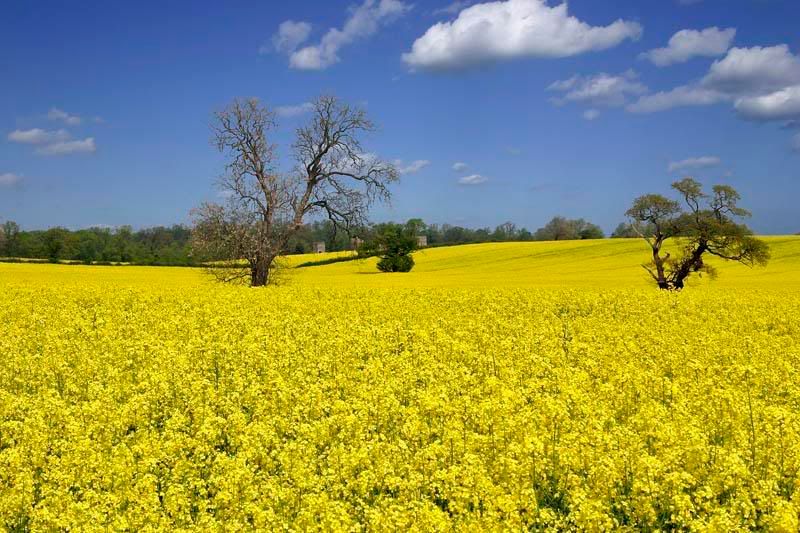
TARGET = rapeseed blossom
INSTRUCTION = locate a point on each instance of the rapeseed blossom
(129, 407)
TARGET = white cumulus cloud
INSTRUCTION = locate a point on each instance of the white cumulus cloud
(86, 146)
(38, 136)
(501, 30)
(460, 166)
(759, 79)
(754, 70)
(474, 179)
(8, 179)
(363, 21)
(705, 161)
(686, 44)
(780, 105)
(63, 116)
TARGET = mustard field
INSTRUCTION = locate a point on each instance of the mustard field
(601, 264)
(542, 386)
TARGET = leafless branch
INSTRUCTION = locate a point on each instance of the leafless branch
(333, 177)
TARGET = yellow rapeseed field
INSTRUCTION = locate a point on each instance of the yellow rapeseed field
(497, 387)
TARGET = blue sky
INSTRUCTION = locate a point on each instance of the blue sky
(549, 109)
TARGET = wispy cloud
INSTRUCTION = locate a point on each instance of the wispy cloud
(290, 35)
(56, 142)
(453, 8)
(474, 179)
(706, 161)
(411, 168)
(8, 179)
(294, 110)
(363, 21)
(85, 146)
(63, 116)
(683, 96)
(38, 136)
(591, 114)
(599, 90)
(460, 166)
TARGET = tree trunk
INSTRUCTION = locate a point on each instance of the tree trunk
(692, 264)
(259, 272)
(658, 261)
(661, 276)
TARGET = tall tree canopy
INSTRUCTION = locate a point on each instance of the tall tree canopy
(705, 223)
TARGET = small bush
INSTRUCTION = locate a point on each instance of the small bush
(394, 244)
(396, 263)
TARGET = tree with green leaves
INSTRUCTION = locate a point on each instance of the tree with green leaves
(58, 244)
(705, 224)
(624, 230)
(393, 243)
(416, 226)
(10, 239)
(564, 229)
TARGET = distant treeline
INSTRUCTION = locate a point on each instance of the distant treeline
(151, 246)
(559, 228)
(172, 245)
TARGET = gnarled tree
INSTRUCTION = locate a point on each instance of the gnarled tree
(332, 177)
(705, 224)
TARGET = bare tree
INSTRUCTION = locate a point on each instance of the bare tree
(707, 224)
(332, 177)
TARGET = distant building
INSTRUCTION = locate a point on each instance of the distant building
(319, 247)
(422, 241)
(355, 243)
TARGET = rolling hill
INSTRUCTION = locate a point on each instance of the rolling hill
(611, 263)
(602, 263)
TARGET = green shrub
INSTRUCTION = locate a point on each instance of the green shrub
(394, 244)
(396, 263)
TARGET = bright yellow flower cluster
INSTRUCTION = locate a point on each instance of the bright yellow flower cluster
(303, 408)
